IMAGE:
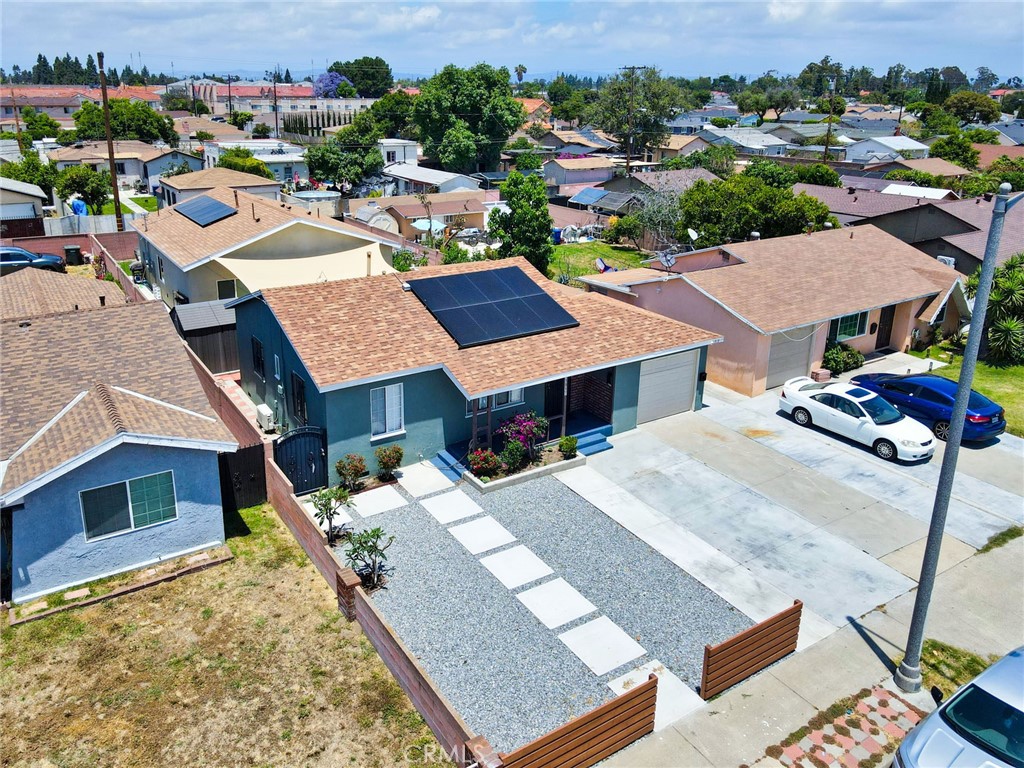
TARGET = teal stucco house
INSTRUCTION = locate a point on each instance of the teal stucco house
(438, 358)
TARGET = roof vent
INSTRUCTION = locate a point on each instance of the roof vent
(851, 191)
(405, 287)
(755, 235)
(828, 225)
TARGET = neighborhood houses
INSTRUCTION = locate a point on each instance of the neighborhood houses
(653, 402)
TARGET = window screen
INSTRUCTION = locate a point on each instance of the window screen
(257, 357)
(386, 410)
(152, 499)
(106, 510)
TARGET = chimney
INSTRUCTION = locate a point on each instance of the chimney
(851, 191)
(369, 258)
(103, 301)
(236, 198)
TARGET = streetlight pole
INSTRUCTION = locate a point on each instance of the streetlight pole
(908, 676)
(828, 132)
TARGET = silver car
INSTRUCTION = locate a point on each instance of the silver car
(980, 726)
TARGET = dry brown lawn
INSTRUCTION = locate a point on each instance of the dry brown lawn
(247, 663)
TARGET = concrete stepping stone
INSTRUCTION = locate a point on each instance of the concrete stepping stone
(516, 566)
(556, 603)
(370, 503)
(602, 645)
(481, 535)
(422, 479)
(675, 698)
(449, 507)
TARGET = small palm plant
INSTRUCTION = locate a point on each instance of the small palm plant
(327, 503)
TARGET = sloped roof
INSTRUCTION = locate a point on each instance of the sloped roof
(609, 332)
(674, 181)
(584, 163)
(936, 166)
(679, 141)
(853, 202)
(442, 208)
(216, 177)
(989, 153)
(898, 143)
(21, 187)
(186, 243)
(203, 314)
(60, 400)
(978, 213)
(33, 292)
(787, 282)
(97, 150)
(532, 105)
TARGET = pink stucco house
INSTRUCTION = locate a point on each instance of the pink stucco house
(778, 301)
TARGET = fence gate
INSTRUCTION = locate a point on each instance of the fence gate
(302, 456)
(243, 478)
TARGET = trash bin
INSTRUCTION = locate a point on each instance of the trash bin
(73, 255)
(556, 236)
(138, 270)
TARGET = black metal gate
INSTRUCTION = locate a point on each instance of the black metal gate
(243, 478)
(302, 456)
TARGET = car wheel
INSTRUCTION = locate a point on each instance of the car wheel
(941, 430)
(802, 417)
(885, 450)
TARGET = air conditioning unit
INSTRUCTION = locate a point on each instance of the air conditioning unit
(949, 261)
(265, 417)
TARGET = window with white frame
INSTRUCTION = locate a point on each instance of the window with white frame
(128, 505)
(848, 327)
(387, 411)
(500, 400)
(392, 157)
(226, 289)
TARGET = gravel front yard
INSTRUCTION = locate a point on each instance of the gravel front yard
(508, 675)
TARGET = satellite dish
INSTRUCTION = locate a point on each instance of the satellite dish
(667, 259)
(694, 234)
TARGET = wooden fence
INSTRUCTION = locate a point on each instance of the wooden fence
(245, 432)
(750, 651)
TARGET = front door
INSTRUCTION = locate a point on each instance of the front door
(884, 336)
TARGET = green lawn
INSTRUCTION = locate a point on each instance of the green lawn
(579, 258)
(1004, 384)
(148, 202)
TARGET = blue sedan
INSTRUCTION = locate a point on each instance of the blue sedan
(929, 399)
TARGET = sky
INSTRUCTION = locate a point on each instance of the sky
(686, 37)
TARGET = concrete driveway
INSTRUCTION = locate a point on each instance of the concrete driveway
(763, 511)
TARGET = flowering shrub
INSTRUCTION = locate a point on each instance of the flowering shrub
(525, 429)
(389, 458)
(350, 469)
(484, 463)
(513, 455)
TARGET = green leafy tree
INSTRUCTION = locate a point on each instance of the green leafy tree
(261, 131)
(91, 186)
(625, 228)
(753, 102)
(722, 122)
(782, 100)
(719, 159)
(1013, 103)
(67, 138)
(981, 136)
(180, 100)
(817, 173)
(393, 114)
(478, 100)
(204, 136)
(528, 161)
(370, 76)
(771, 173)
(1004, 321)
(31, 170)
(573, 108)
(957, 149)
(729, 210)
(920, 178)
(39, 125)
(128, 120)
(1003, 169)
(241, 159)
(525, 229)
(938, 122)
(634, 108)
(333, 161)
(458, 152)
(969, 107)
(559, 92)
(834, 105)
(240, 119)
(985, 80)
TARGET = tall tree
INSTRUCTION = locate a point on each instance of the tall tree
(634, 108)
(92, 187)
(525, 229)
(753, 101)
(477, 100)
(393, 114)
(956, 149)
(520, 72)
(128, 120)
(350, 156)
(92, 75)
(985, 80)
(369, 75)
(42, 72)
(969, 107)
(559, 91)
(287, 75)
(782, 100)
(241, 159)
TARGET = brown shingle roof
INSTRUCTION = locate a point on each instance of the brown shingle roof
(448, 207)
(397, 333)
(679, 141)
(216, 177)
(33, 292)
(978, 213)
(936, 166)
(989, 153)
(585, 163)
(97, 150)
(185, 242)
(856, 203)
(80, 359)
(674, 181)
(787, 282)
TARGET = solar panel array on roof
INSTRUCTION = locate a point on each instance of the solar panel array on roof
(587, 196)
(613, 201)
(494, 305)
(204, 210)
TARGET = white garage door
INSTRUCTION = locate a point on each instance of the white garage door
(667, 386)
(790, 355)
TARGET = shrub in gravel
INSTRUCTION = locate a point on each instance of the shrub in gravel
(366, 554)
(484, 463)
(389, 458)
(350, 469)
(567, 446)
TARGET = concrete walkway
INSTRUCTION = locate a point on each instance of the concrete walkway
(975, 605)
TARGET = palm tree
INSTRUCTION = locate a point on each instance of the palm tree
(1004, 322)
(520, 71)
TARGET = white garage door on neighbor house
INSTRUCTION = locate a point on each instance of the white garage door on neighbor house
(667, 386)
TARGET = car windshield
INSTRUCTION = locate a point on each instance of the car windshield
(988, 723)
(880, 411)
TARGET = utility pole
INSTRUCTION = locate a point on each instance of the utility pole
(17, 118)
(828, 133)
(192, 85)
(908, 676)
(230, 110)
(110, 143)
(277, 122)
(629, 114)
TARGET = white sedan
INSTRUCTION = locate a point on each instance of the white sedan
(853, 412)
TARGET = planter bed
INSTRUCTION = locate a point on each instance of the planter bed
(521, 477)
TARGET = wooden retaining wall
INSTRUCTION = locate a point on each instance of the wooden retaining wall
(750, 651)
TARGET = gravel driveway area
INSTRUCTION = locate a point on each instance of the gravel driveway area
(510, 677)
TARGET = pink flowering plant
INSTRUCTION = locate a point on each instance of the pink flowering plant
(484, 463)
(526, 429)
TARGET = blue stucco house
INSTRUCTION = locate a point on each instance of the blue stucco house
(109, 449)
(395, 359)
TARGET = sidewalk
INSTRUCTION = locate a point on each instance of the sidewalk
(974, 606)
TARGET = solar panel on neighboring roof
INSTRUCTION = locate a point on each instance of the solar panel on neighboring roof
(204, 210)
(492, 305)
(587, 196)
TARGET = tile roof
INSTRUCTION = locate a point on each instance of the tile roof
(989, 153)
(532, 105)
(853, 202)
(674, 181)
(33, 292)
(185, 243)
(108, 381)
(216, 177)
(609, 332)
(788, 282)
